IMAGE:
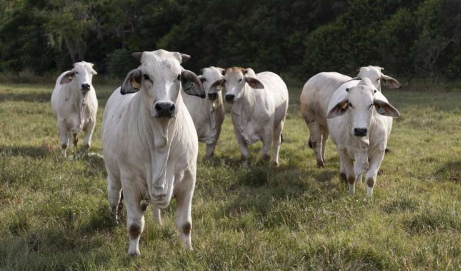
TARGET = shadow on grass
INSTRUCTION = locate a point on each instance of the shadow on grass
(451, 171)
(29, 151)
(40, 97)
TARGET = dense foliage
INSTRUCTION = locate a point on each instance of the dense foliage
(415, 38)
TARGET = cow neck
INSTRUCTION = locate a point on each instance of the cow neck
(360, 148)
(243, 109)
(78, 101)
(214, 107)
(157, 143)
(152, 131)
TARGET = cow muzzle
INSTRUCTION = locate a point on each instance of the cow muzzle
(230, 98)
(85, 88)
(360, 132)
(164, 109)
(212, 96)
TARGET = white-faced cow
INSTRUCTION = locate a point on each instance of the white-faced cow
(75, 105)
(259, 107)
(316, 96)
(207, 114)
(149, 143)
(360, 122)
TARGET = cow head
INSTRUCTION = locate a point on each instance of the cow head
(81, 75)
(377, 77)
(361, 102)
(160, 78)
(208, 77)
(234, 82)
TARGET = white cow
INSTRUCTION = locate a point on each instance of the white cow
(149, 143)
(316, 96)
(259, 107)
(208, 114)
(360, 122)
(75, 105)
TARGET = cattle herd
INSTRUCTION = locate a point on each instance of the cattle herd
(152, 125)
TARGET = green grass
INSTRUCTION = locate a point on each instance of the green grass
(54, 212)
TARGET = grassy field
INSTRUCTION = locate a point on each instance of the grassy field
(54, 212)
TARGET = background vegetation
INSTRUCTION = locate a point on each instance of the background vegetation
(410, 38)
(54, 212)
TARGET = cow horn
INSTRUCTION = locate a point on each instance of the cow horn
(137, 56)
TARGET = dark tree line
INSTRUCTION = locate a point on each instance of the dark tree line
(414, 38)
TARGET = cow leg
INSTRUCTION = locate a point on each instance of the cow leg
(348, 164)
(157, 215)
(88, 134)
(243, 147)
(267, 144)
(183, 208)
(135, 217)
(75, 139)
(324, 142)
(277, 137)
(114, 189)
(315, 141)
(210, 150)
(63, 135)
(69, 141)
(358, 179)
(372, 173)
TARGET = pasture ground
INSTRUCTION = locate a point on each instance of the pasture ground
(54, 212)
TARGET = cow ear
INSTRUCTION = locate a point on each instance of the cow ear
(386, 109)
(93, 72)
(390, 82)
(339, 109)
(132, 82)
(191, 84)
(67, 78)
(217, 86)
(254, 83)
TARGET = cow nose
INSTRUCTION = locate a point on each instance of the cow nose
(85, 87)
(164, 109)
(212, 96)
(360, 131)
(230, 98)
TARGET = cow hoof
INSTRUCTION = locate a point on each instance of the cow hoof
(134, 254)
(320, 163)
(275, 164)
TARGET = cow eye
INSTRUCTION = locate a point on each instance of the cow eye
(76, 72)
(146, 77)
(178, 77)
(351, 105)
(240, 80)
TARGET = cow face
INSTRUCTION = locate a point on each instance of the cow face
(208, 77)
(81, 75)
(377, 77)
(234, 82)
(360, 104)
(160, 78)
